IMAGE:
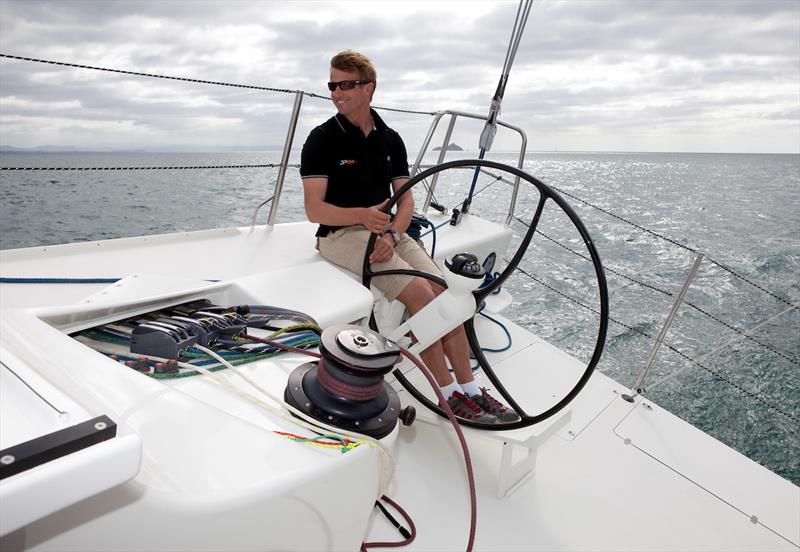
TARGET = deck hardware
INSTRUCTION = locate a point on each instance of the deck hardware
(518, 448)
(440, 160)
(459, 311)
(49, 447)
(636, 388)
(287, 148)
(415, 168)
(346, 387)
(408, 415)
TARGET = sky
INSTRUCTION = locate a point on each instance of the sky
(589, 75)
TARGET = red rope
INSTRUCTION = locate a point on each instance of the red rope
(343, 389)
(396, 544)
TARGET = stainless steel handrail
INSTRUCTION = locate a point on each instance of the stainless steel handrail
(298, 101)
(482, 171)
(287, 147)
(255, 213)
(442, 153)
(455, 114)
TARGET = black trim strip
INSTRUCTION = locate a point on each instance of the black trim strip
(41, 450)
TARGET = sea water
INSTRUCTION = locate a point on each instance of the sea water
(648, 214)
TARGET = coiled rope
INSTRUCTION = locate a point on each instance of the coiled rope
(198, 81)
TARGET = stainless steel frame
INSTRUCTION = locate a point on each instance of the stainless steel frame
(453, 116)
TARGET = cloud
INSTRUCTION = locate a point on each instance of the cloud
(588, 74)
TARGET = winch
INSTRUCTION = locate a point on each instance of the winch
(345, 388)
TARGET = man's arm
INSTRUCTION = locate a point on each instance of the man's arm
(405, 207)
(322, 212)
(384, 246)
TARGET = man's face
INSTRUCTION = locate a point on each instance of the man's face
(353, 101)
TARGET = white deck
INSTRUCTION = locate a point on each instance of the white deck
(618, 476)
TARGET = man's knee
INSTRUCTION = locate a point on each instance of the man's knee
(416, 294)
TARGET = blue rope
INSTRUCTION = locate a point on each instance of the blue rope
(66, 280)
(59, 280)
(475, 178)
(433, 240)
(488, 278)
(505, 330)
(434, 228)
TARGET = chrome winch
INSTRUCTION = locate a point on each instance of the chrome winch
(345, 388)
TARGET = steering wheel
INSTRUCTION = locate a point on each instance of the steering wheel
(546, 193)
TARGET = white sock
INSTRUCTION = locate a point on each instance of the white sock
(471, 388)
(448, 390)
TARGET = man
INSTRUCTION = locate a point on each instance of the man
(348, 166)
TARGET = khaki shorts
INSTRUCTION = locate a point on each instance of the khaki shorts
(346, 248)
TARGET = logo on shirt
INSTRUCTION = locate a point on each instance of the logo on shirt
(347, 162)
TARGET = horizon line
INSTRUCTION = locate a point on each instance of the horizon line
(273, 148)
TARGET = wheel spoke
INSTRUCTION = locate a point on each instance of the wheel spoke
(546, 193)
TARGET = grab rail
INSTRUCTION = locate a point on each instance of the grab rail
(453, 116)
(287, 147)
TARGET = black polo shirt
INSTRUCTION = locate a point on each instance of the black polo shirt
(359, 169)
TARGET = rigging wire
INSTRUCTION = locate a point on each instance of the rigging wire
(607, 268)
(198, 81)
(678, 244)
(711, 371)
(521, 19)
(709, 354)
(523, 11)
(168, 167)
(490, 128)
(734, 273)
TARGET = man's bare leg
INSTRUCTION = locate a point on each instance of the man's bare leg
(415, 296)
(456, 347)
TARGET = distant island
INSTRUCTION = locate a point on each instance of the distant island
(451, 147)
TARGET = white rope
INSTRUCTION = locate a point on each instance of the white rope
(386, 459)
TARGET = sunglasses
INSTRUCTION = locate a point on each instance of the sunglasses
(347, 84)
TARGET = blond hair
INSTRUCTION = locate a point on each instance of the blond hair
(353, 61)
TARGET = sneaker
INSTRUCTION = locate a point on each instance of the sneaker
(464, 407)
(489, 404)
